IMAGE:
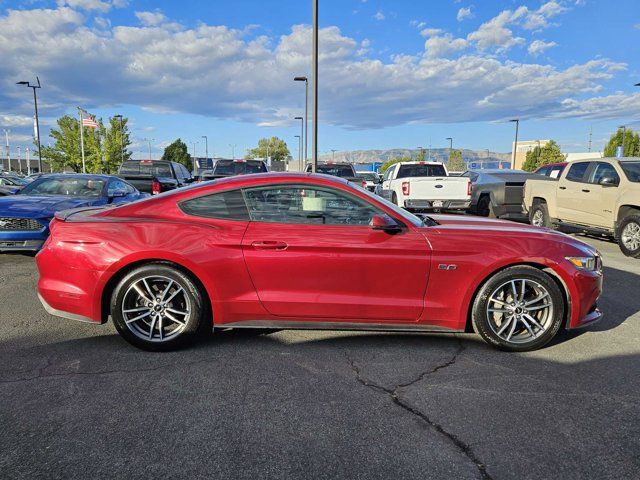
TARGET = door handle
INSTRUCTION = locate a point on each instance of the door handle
(562, 188)
(269, 245)
(586, 190)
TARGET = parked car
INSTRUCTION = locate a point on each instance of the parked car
(424, 186)
(229, 168)
(552, 170)
(371, 179)
(498, 193)
(600, 196)
(155, 176)
(25, 217)
(338, 169)
(294, 250)
(10, 184)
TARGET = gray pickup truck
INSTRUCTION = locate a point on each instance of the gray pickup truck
(343, 170)
(155, 176)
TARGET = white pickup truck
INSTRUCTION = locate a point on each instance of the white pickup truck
(424, 186)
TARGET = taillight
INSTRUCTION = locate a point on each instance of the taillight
(406, 188)
(155, 187)
(469, 187)
(364, 184)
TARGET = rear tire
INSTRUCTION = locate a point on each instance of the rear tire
(539, 215)
(518, 309)
(157, 307)
(629, 236)
(394, 199)
(485, 207)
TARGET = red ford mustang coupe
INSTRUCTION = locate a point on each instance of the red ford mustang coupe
(277, 251)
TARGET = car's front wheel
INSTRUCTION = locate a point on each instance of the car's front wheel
(629, 237)
(157, 307)
(518, 309)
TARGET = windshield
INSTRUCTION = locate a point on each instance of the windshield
(631, 170)
(148, 168)
(72, 187)
(421, 171)
(336, 170)
(231, 167)
(368, 175)
(7, 180)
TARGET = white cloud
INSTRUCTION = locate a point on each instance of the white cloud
(379, 15)
(99, 5)
(15, 120)
(494, 34)
(463, 13)
(151, 19)
(219, 72)
(417, 24)
(539, 19)
(430, 32)
(539, 46)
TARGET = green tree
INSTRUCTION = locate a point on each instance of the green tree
(385, 166)
(539, 156)
(631, 143)
(65, 153)
(420, 156)
(456, 163)
(178, 152)
(115, 142)
(270, 147)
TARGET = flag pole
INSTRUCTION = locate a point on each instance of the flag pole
(84, 170)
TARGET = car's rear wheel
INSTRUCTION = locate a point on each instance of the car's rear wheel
(394, 199)
(157, 307)
(485, 207)
(518, 309)
(629, 236)
(539, 215)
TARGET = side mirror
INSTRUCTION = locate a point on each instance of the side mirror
(608, 182)
(118, 193)
(384, 223)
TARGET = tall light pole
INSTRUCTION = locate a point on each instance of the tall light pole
(233, 151)
(19, 159)
(149, 140)
(306, 112)
(206, 147)
(299, 137)
(333, 154)
(314, 75)
(121, 138)
(6, 136)
(515, 144)
(35, 103)
(624, 131)
(302, 138)
(450, 146)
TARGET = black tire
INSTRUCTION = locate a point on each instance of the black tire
(190, 299)
(628, 246)
(394, 199)
(485, 207)
(549, 319)
(539, 215)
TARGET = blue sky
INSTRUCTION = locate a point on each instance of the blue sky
(393, 73)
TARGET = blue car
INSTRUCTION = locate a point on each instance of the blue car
(25, 216)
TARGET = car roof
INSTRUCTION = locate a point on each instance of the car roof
(90, 176)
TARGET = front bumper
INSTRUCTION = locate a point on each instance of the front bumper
(20, 245)
(418, 204)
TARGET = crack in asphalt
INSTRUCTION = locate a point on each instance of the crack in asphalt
(393, 393)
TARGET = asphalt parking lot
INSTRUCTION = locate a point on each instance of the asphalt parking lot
(76, 401)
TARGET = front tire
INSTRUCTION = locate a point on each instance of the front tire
(518, 309)
(629, 236)
(157, 307)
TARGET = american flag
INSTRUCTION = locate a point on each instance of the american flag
(89, 121)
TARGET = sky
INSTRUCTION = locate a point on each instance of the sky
(393, 73)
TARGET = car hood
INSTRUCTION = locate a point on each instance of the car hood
(41, 206)
(479, 226)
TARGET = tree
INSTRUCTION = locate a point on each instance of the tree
(420, 156)
(116, 141)
(631, 143)
(539, 156)
(456, 163)
(270, 147)
(178, 152)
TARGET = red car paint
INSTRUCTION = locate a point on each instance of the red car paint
(255, 271)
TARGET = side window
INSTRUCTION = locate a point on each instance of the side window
(185, 171)
(178, 171)
(224, 205)
(555, 172)
(116, 185)
(307, 205)
(387, 174)
(543, 171)
(576, 171)
(603, 170)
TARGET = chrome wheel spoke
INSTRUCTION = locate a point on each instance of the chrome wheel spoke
(533, 320)
(141, 293)
(539, 307)
(139, 309)
(174, 319)
(178, 290)
(139, 317)
(537, 299)
(166, 290)
(513, 327)
(153, 324)
(173, 310)
(505, 324)
(528, 327)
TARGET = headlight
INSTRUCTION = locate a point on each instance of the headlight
(588, 264)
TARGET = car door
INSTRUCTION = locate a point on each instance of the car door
(311, 253)
(570, 193)
(385, 187)
(600, 200)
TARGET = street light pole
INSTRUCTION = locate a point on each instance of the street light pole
(306, 113)
(6, 136)
(301, 138)
(233, 151)
(450, 146)
(515, 144)
(35, 103)
(314, 75)
(206, 147)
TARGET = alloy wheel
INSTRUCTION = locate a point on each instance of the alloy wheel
(156, 308)
(520, 310)
(538, 218)
(630, 236)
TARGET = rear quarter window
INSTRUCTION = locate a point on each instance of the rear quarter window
(224, 205)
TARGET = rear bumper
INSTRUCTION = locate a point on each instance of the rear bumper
(61, 313)
(418, 204)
